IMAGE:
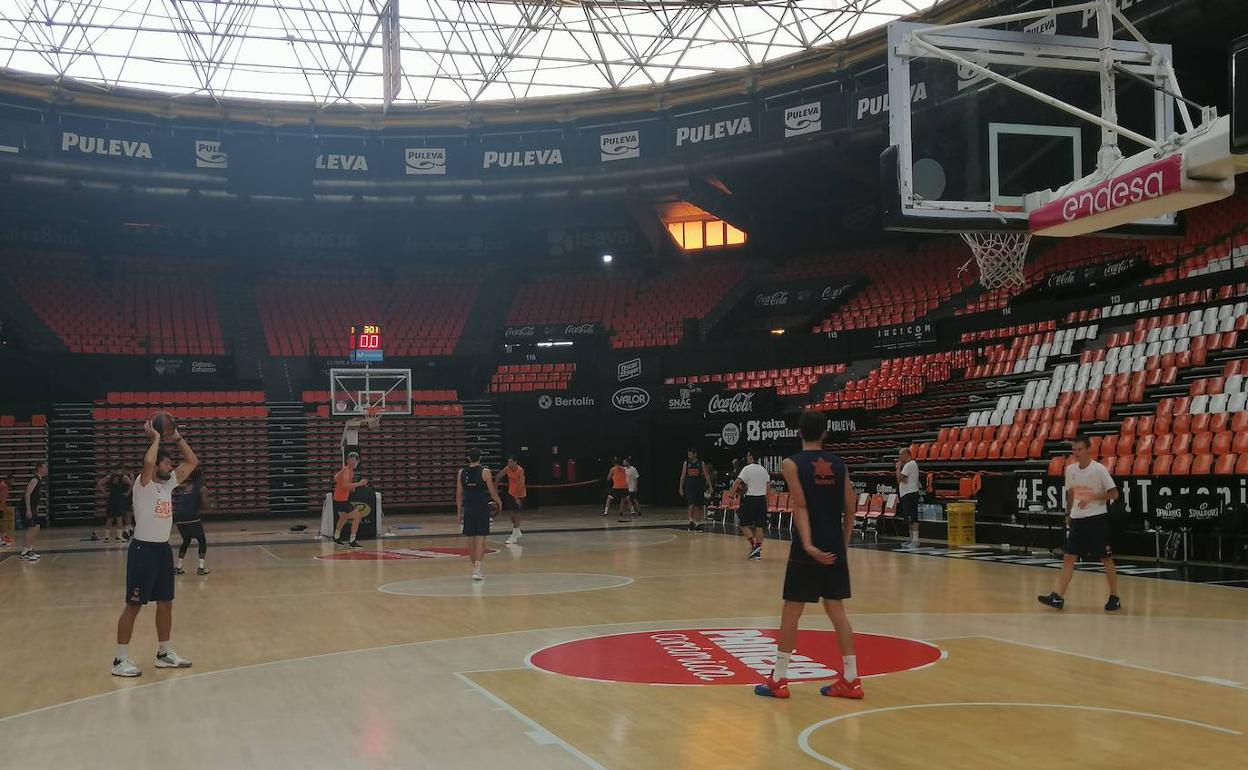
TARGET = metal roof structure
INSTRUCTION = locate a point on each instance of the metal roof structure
(368, 53)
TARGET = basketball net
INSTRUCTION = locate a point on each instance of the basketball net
(372, 417)
(1000, 256)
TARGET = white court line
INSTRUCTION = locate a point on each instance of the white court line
(803, 740)
(1207, 680)
(539, 734)
(270, 553)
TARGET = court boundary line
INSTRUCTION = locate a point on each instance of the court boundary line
(803, 738)
(518, 714)
(630, 581)
(1117, 662)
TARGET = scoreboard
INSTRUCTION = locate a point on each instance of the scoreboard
(366, 344)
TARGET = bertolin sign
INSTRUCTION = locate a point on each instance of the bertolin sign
(803, 119)
(619, 146)
(102, 145)
(421, 161)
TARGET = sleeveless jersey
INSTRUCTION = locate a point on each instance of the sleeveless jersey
(476, 495)
(117, 491)
(36, 496)
(822, 476)
(693, 474)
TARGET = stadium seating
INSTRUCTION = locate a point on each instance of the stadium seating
(525, 378)
(789, 381)
(23, 444)
(573, 298)
(656, 317)
(421, 314)
(144, 305)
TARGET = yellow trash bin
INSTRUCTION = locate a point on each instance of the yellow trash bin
(961, 523)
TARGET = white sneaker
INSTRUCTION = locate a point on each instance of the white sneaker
(515, 536)
(123, 667)
(29, 556)
(171, 660)
(476, 575)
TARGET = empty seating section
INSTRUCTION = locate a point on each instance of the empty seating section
(583, 298)
(411, 460)
(524, 378)
(1029, 352)
(902, 285)
(884, 386)
(141, 305)
(421, 314)
(790, 381)
(1008, 331)
(1170, 302)
(227, 430)
(23, 444)
(425, 403)
(656, 317)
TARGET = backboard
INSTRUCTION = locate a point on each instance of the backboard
(968, 147)
(357, 392)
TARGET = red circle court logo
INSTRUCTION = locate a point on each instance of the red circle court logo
(725, 656)
(400, 554)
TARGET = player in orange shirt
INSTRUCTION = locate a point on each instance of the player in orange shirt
(343, 486)
(617, 477)
(513, 501)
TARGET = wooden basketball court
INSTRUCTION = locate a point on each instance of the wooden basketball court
(602, 645)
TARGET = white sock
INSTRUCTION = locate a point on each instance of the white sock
(515, 530)
(851, 667)
(165, 648)
(782, 666)
(914, 537)
(123, 652)
(178, 563)
(201, 563)
(476, 566)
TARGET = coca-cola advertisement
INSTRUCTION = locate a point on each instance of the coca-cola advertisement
(799, 297)
(740, 402)
(1078, 281)
(533, 333)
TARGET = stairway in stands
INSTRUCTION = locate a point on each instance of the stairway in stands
(288, 460)
(483, 428)
(27, 328)
(488, 316)
(244, 336)
(71, 457)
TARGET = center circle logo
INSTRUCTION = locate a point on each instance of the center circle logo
(731, 434)
(399, 554)
(716, 656)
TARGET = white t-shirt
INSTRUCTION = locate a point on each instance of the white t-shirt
(755, 477)
(153, 509)
(911, 471)
(1092, 480)
(633, 475)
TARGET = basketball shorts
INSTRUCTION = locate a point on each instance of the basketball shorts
(908, 507)
(116, 509)
(619, 493)
(753, 511)
(806, 580)
(477, 522)
(1089, 537)
(695, 495)
(632, 494)
(149, 572)
(343, 506)
(22, 521)
(512, 503)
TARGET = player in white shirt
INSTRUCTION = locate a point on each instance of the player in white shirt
(754, 481)
(1089, 491)
(630, 472)
(908, 495)
(149, 562)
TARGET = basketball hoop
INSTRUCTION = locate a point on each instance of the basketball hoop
(372, 417)
(1000, 256)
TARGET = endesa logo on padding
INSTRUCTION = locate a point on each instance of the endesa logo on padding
(725, 656)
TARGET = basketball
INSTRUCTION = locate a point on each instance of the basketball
(164, 424)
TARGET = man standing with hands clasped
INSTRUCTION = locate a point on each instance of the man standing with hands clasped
(1089, 490)
(908, 495)
(823, 502)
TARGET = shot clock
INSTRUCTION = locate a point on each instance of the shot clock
(366, 344)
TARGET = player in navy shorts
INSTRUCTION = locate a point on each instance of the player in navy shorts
(823, 502)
